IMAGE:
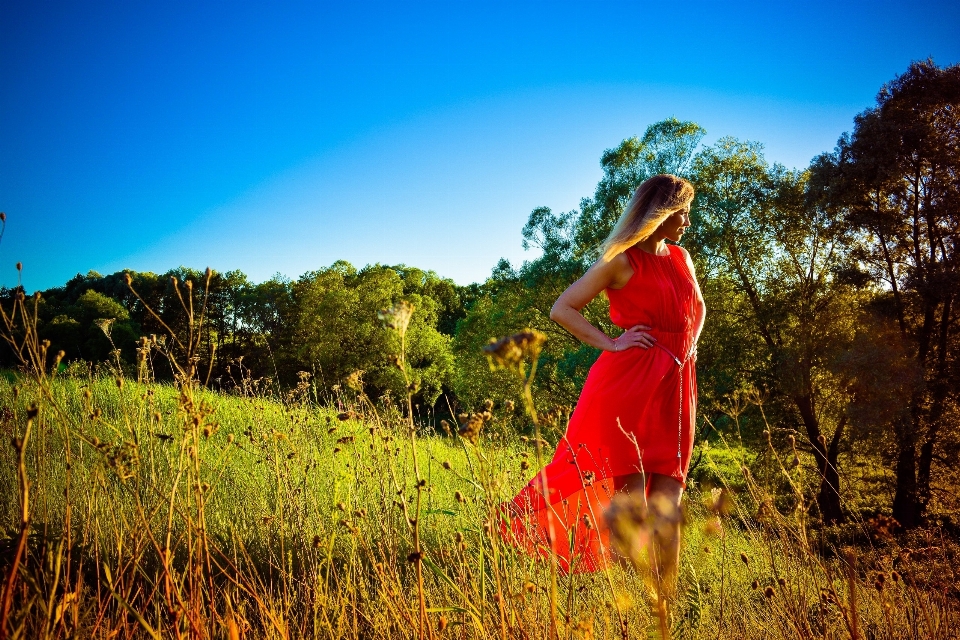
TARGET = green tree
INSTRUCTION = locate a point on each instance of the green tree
(337, 331)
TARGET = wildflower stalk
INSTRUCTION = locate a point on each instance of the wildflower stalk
(23, 485)
(397, 318)
(511, 353)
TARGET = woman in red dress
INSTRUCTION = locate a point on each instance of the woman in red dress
(632, 429)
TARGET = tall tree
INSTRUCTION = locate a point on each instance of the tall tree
(765, 231)
(898, 177)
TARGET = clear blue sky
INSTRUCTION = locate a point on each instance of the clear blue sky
(279, 137)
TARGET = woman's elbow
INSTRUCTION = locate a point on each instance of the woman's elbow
(556, 311)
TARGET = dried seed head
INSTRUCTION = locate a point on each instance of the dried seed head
(509, 406)
(19, 266)
(883, 526)
(769, 592)
(459, 497)
(511, 351)
(316, 541)
(745, 559)
(629, 521)
(397, 317)
(782, 582)
(755, 585)
(446, 465)
(719, 501)
(712, 527)
(445, 426)
(488, 404)
(470, 429)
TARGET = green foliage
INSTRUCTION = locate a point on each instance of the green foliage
(88, 326)
(338, 333)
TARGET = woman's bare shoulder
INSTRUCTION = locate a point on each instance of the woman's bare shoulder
(618, 269)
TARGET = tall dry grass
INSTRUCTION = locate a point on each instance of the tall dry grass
(137, 509)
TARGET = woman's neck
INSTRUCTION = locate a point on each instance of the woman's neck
(654, 245)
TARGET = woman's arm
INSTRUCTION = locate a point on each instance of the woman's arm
(567, 309)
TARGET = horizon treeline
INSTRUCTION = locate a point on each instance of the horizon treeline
(830, 290)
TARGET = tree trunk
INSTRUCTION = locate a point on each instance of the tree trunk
(905, 496)
(828, 497)
(940, 390)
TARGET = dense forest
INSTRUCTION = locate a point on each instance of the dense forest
(830, 293)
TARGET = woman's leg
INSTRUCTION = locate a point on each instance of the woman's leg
(635, 483)
(663, 496)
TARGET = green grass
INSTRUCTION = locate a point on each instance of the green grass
(211, 515)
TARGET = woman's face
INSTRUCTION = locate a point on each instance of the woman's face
(674, 226)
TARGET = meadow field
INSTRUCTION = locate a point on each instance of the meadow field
(135, 509)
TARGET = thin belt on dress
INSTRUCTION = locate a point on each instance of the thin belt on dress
(690, 353)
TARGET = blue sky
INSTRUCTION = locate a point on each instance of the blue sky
(280, 137)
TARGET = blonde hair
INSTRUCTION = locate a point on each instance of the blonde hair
(652, 203)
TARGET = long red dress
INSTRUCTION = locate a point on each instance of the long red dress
(636, 413)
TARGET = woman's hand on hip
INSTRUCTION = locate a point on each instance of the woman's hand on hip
(635, 336)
